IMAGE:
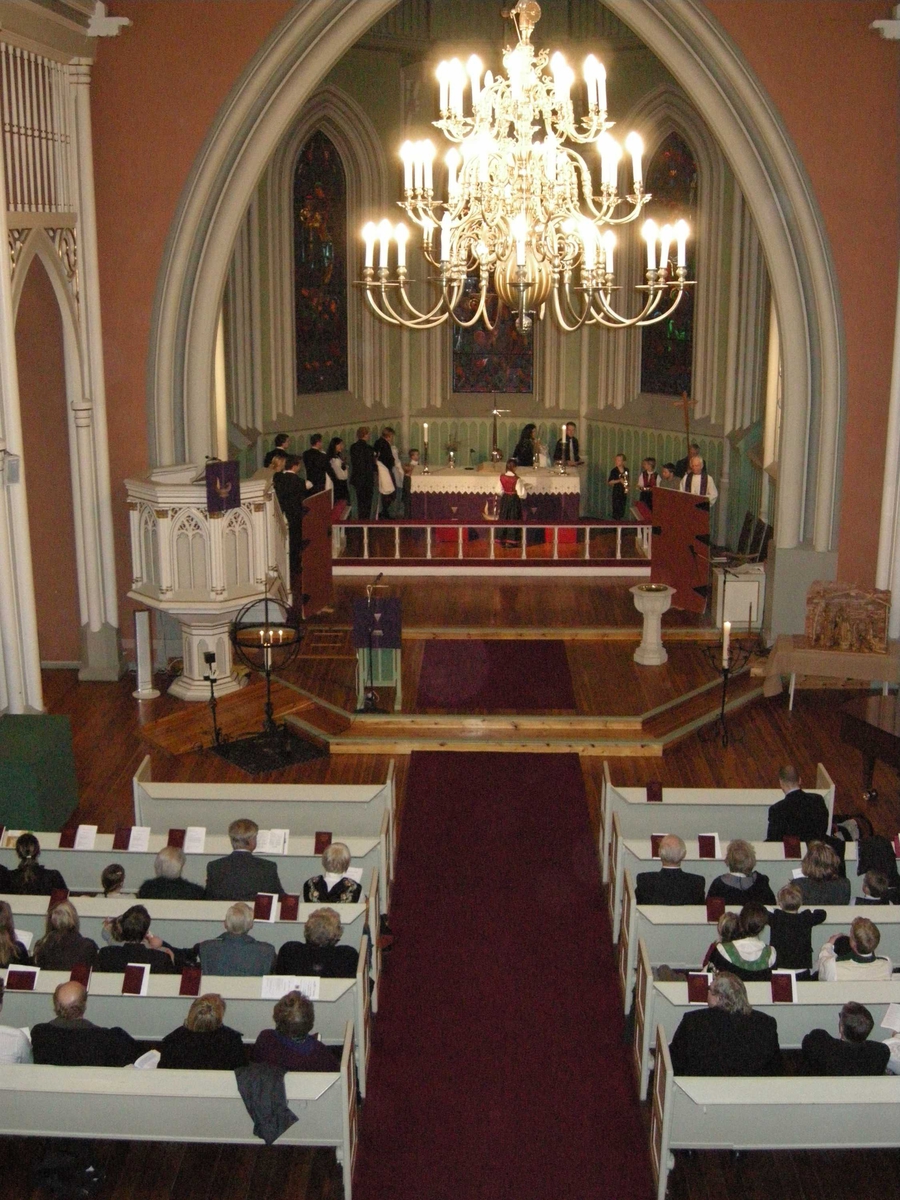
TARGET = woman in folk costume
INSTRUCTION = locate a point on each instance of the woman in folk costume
(647, 481)
(512, 493)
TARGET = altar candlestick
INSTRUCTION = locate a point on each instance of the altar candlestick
(726, 641)
(425, 430)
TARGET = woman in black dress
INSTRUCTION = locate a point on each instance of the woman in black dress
(337, 471)
(525, 447)
(30, 878)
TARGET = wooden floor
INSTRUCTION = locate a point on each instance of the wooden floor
(108, 742)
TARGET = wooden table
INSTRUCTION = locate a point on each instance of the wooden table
(793, 656)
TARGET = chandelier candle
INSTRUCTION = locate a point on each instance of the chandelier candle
(522, 220)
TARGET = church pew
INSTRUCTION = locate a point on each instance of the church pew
(634, 855)
(178, 1106)
(81, 869)
(743, 812)
(690, 1112)
(680, 935)
(183, 923)
(817, 1007)
(356, 810)
(151, 1017)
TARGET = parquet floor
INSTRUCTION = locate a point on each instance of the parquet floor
(108, 745)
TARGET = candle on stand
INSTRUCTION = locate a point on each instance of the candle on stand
(726, 641)
(425, 432)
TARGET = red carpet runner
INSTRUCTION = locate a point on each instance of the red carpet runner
(498, 1070)
(468, 675)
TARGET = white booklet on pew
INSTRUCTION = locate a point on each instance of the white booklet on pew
(891, 1019)
(354, 873)
(194, 839)
(85, 837)
(139, 839)
(272, 841)
(25, 936)
(276, 986)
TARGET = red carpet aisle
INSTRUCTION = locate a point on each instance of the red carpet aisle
(463, 675)
(498, 1071)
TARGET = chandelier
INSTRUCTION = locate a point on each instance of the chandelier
(522, 223)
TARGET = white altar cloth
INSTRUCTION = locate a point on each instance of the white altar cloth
(448, 480)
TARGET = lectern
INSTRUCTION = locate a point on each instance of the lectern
(680, 556)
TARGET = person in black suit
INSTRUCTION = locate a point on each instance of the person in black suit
(320, 954)
(727, 1037)
(279, 446)
(670, 885)
(800, 814)
(240, 876)
(134, 944)
(290, 490)
(203, 1043)
(572, 451)
(850, 1053)
(384, 453)
(167, 883)
(363, 473)
(30, 878)
(72, 1041)
(315, 464)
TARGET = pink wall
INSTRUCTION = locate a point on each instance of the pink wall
(158, 86)
(835, 84)
(45, 436)
(155, 92)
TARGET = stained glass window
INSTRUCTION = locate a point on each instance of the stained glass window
(667, 348)
(320, 267)
(485, 360)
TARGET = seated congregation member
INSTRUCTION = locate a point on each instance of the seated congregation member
(72, 1041)
(167, 883)
(850, 1053)
(133, 943)
(14, 1044)
(790, 931)
(62, 947)
(670, 885)
(235, 952)
(876, 853)
(12, 951)
(822, 882)
(800, 814)
(203, 1043)
(854, 957)
(727, 929)
(30, 878)
(742, 882)
(320, 954)
(291, 1044)
(876, 889)
(241, 876)
(112, 880)
(727, 1037)
(747, 956)
(333, 886)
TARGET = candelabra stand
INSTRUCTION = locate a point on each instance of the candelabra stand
(210, 659)
(733, 664)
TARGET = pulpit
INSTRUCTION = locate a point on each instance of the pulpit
(681, 547)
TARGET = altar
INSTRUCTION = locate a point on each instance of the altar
(455, 493)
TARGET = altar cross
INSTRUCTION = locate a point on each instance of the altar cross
(684, 404)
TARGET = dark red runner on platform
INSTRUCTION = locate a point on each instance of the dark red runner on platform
(465, 675)
(498, 1069)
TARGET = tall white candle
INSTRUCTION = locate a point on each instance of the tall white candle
(635, 148)
(369, 233)
(650, 231)
(384, 236)
(445, 237)
(425, 433)
(401, 233)
(443, 74)
(406, 154)
(681, 233)
(601, 87)
(726, 642)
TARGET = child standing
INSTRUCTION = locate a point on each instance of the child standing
(790, 931)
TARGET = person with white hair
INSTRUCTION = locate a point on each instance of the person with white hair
(333, 886)
(235, 952)
(670, 885)
(167, 883)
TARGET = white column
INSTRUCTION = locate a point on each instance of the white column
(21, 663)
(887, 574)
(100, 640)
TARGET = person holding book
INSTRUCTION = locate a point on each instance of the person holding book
(235, 952)
(850, 1053)
(62, 947)
(167, 883)
(790, 930)
(242, 876)
(291, 1044)
(727, 1037)
(333, 886)
(132, 942)
(30, 878)
(320, 953)
(203, 1042)
(670, 885)
(741, 883)
(70, 1040)
(800, 814)
(747, 956)
(853, 957)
